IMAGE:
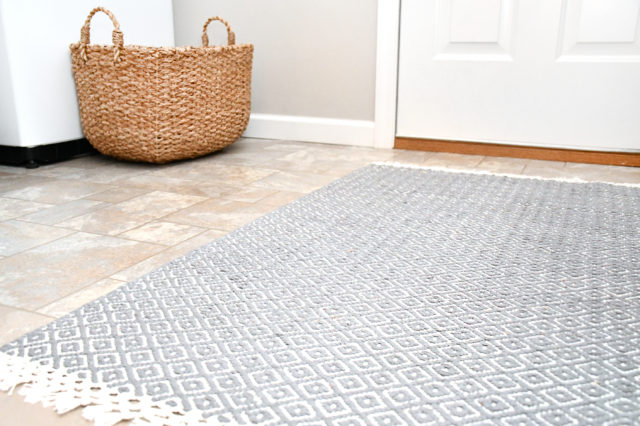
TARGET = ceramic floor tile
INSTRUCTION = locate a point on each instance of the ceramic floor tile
(82, 162)
(167, 255)
(226, 156)
(337, 170)
(550, 169)
(117, 195)
(282, 164)
(157, 182)
(247, 153)
(306, 155)
(588, 172)
(221, 214)
(98, 174)
(281, 198)
(11, 208)
(44, 274)
(165, 233)
(411, 157)
(242, 145)
(354, 154)
(460, 161)
(315, 164)
(56, 191)
(239, 175)
(16, 182)
(624, 175)
(249, 194)
(502, 165)
(75, 300)
(281, 145)
(17, 236)
(263, 144)
(157, 204)
(249, 159)
(294, 181)
(241, 216)
(260, 208)
(234, 220)
(214, 189)
(61, 171)
(13, 170)
(313, 161)
(99, 161)
(61, 212)
(546, 164)
(16, 322)
(107, 221)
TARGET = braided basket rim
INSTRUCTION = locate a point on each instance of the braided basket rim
(169, 48)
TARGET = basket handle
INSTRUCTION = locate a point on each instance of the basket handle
(116, 36)
(231, 37)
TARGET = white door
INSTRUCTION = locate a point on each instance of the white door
(552, 73)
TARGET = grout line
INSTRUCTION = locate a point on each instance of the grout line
(120, 235)
(132, 215)
(163, 218)
(45, 206)
(165, 250)
(145, 191)
(71, 294)
(41, 244)
(100, 206)
(27, 310)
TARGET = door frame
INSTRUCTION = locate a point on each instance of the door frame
(387, 51)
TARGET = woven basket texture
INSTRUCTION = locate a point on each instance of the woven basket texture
(157, 104)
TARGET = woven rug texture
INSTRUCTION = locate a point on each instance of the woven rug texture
(392, 296)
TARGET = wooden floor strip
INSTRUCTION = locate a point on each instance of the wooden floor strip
(515, 151)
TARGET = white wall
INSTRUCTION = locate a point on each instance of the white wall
(37, 34)
(8, 118)
(314, 63)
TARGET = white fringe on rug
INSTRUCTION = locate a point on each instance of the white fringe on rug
(486, 172)
(104, 406)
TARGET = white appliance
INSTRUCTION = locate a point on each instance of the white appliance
(38, 104)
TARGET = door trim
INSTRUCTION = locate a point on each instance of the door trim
(387, 47)
(518, 151)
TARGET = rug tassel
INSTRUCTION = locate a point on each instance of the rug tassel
(67, 391)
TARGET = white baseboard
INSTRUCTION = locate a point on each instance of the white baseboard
(311, 129)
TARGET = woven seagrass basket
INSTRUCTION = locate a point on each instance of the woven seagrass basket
(157, 104)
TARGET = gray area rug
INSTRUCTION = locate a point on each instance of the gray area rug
(392, 296)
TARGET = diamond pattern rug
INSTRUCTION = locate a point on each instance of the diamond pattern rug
(392, 296)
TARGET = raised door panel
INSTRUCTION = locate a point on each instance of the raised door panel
(478, 30)
(600, 31)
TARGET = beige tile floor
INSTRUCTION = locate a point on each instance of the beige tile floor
(73, 231)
